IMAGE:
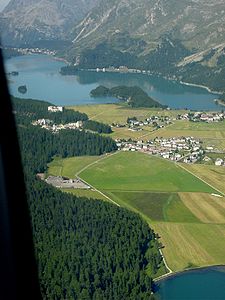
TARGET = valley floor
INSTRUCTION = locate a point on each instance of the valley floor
(183, 203)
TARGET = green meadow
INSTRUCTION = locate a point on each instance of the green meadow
(166, 207)
(69, 167)
(180, 207)
(135, 171)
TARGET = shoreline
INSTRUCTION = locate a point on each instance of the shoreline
(64, 61)
(145, 73)
(200, 86)
(220, 102)
(179, 273)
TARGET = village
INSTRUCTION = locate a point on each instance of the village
(178, 149)
(25, 51)
(49, 125)
(158, 122)
(183, 149)
(202, 117)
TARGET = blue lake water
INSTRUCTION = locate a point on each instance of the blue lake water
(40, 73)
(202, 284)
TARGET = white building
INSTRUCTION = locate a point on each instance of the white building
(55, 108)
(219, 162)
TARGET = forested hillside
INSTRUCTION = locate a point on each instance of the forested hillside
(86, 249)
(134, 95)
(28, 110)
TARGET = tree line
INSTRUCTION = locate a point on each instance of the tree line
(97, 127)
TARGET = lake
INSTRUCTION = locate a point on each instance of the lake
(40, 73)
(201, 284)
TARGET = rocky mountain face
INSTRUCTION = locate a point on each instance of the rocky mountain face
(169, 37)
(197, 23)
(28, 21)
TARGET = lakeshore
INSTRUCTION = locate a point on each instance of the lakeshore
(203, 283)
(220, 102)
(172, 274)
(75, 90)
(201, 86)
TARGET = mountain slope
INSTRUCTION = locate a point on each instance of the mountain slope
(198, 24)
(184, 39)
(27, 21)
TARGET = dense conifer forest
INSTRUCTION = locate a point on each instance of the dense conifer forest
(29, 110)
(86, 249)
(97, 127)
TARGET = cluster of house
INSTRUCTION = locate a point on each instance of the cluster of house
(202, 117)
(187, 149)
(156, 121)
(125, 69)
(34, 50)
(121, 69)
(136, 125)
(49, 125)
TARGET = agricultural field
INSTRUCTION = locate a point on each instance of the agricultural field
(189, 245)
(212, 174)
(207, 208)
(198, 130)
(69, 167)
(186, 212)
(125, 133)
(166, 207)
(118, 113)
(141, 172)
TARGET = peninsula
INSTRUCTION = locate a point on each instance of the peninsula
(134, 95)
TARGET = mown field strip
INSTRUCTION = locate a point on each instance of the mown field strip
(182, 166)
(212, 174)
(191, 245)
(207, 208)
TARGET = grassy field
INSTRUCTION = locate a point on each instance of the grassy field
(125, 133)
(148, 185)
(141, 172)
(118, 113)
(68, 167)
(212, 174)
(180, 207)
(158, 206)
(207, 208)
(90, 194)
(192, 245)
(200, 126)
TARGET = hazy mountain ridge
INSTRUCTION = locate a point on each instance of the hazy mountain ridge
(26, 21)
